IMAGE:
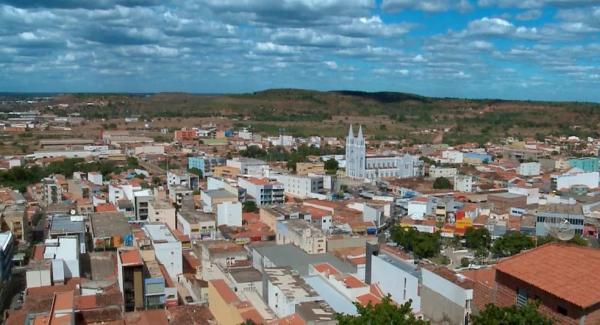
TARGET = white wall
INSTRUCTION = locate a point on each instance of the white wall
(417, 210)
(229, 213)
(400, 284)
(446, 288)
(170, 255)
(565, 181)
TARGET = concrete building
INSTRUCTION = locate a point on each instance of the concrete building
(64, 255)
(439, 171)
(95, 178)
(551, 216)
(305, 168)
(230, 214)
(395, 275)
(310, 239)
(586, 164)
(141, 201)
(463, 183)
(446, 297)
(566, 181)
(452, 157)
(177, 178)
(227, 307)
(68, 226)
(262, 190)
(206, 165)
(270, 215)
(130, 271)
(301, 186)
(167, 248)
(249, 166)
(529, 169)
(532, 193)
(6, 254)
(196, 224)
(109, 230)
(503, 202)
(283, 290)
(15, 218)
(162, 211)
(212, 198)
(361, 166)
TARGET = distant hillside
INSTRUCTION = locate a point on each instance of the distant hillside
(384, 114)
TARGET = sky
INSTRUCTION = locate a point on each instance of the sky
(510, 49)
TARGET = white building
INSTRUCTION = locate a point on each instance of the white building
(532, 193)
(452, 157)
(301, 186)
(150, 150)
(262, 190)
(463, 183)
(529, 169)
(361, 166)
(162, 211)
(418, 208)
(249, 166)
(64, 255)
(182, 178)
(447, 297)
(167, 248)
(447, 172)
(567, 180)
(230, 214)
(285, 289)
(395, 276)
(95, 178)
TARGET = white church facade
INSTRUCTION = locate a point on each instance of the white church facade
(361, 166)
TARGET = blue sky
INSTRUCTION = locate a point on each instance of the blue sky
(513, 49)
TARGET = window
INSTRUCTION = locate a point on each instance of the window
(521, 297)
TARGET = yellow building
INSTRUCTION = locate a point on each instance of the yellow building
(226, 171)
(227, 308)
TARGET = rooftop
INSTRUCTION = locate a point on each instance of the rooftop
(109, 224)
(131, 257)
(290, 283)
(158, 232)
(67, 224)
(565, 271)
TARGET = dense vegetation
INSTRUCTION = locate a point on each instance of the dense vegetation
(513, 315)
(386, 312)
(20, 177)
(421, 244)
(292, 157)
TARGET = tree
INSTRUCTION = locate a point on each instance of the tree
(196, 171)
(513, 315)
(512, 243)
(385, 312)
(478, 238)
(464, 262)
(421, 244)
(442, 183)
(249, 206)
(577, 240)
(331, 166)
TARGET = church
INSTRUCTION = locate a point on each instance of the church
(361, 166)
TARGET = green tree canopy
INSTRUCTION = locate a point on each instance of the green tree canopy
(386, 312)
(196, 171)
(512, 243)
(421, 244)
(513, 315)
(442, 183)
(249, 206)
(478, 238)
(331, 166)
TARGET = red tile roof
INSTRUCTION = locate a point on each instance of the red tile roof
(224, 291)
(565, 271)
(105, 207)
(326, 268)
(353, 283)
(131, 257)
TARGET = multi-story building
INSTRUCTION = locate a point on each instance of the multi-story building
(361, 166)
(575, 178)
(206, 165)
(212, 198)
(503, 202)
(301, 186)
(249, 166)
(305, 168)
(438, 171)
(182, 178)
(64, 255)
(586, 164)
(553, 216)
(130, 269)
(529, 169)
(141, 202)
(446, 296)
(196, 224)
(463, 183)
(167, 248)
(283, 290)
(6, 254)
(230, 214)
(262, 190)
(162, 211)
(302, 234)
(185, 134)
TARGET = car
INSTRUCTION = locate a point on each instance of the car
(189, 299)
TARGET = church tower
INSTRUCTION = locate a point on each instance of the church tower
(355, 154)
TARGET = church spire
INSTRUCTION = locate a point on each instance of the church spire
(360, 134)
(350, 132)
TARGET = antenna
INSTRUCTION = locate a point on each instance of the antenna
(561, 229)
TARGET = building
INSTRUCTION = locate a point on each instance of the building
(185, 135)
(439, 171)
(301, 186)
(206, 165)
(167, 248)
(196, 224)
(463, 183)
(503, 202)
(64, 255)
(587, 164)
(446, 296)
(182, 178)
(563, 278)
(262, 190)
(68, 226)
(130, 269)
(572, 178)
(14, 216)
(141, 201)
(162, 211)
(230, 214)
(283, 290)
(249, 166)
(270, 215)
(552, 216)
(226, 306)
(307, 237)
(109, 230)
(361, 166)
(395, 275)
(212, 198)
(529, 169)
(6, 254)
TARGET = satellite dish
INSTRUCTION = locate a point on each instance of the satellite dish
(72, 212)
(561, 230)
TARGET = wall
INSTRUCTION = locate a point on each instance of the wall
(444, 300)
(395, 281)
(224, 313)
(169, 254)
